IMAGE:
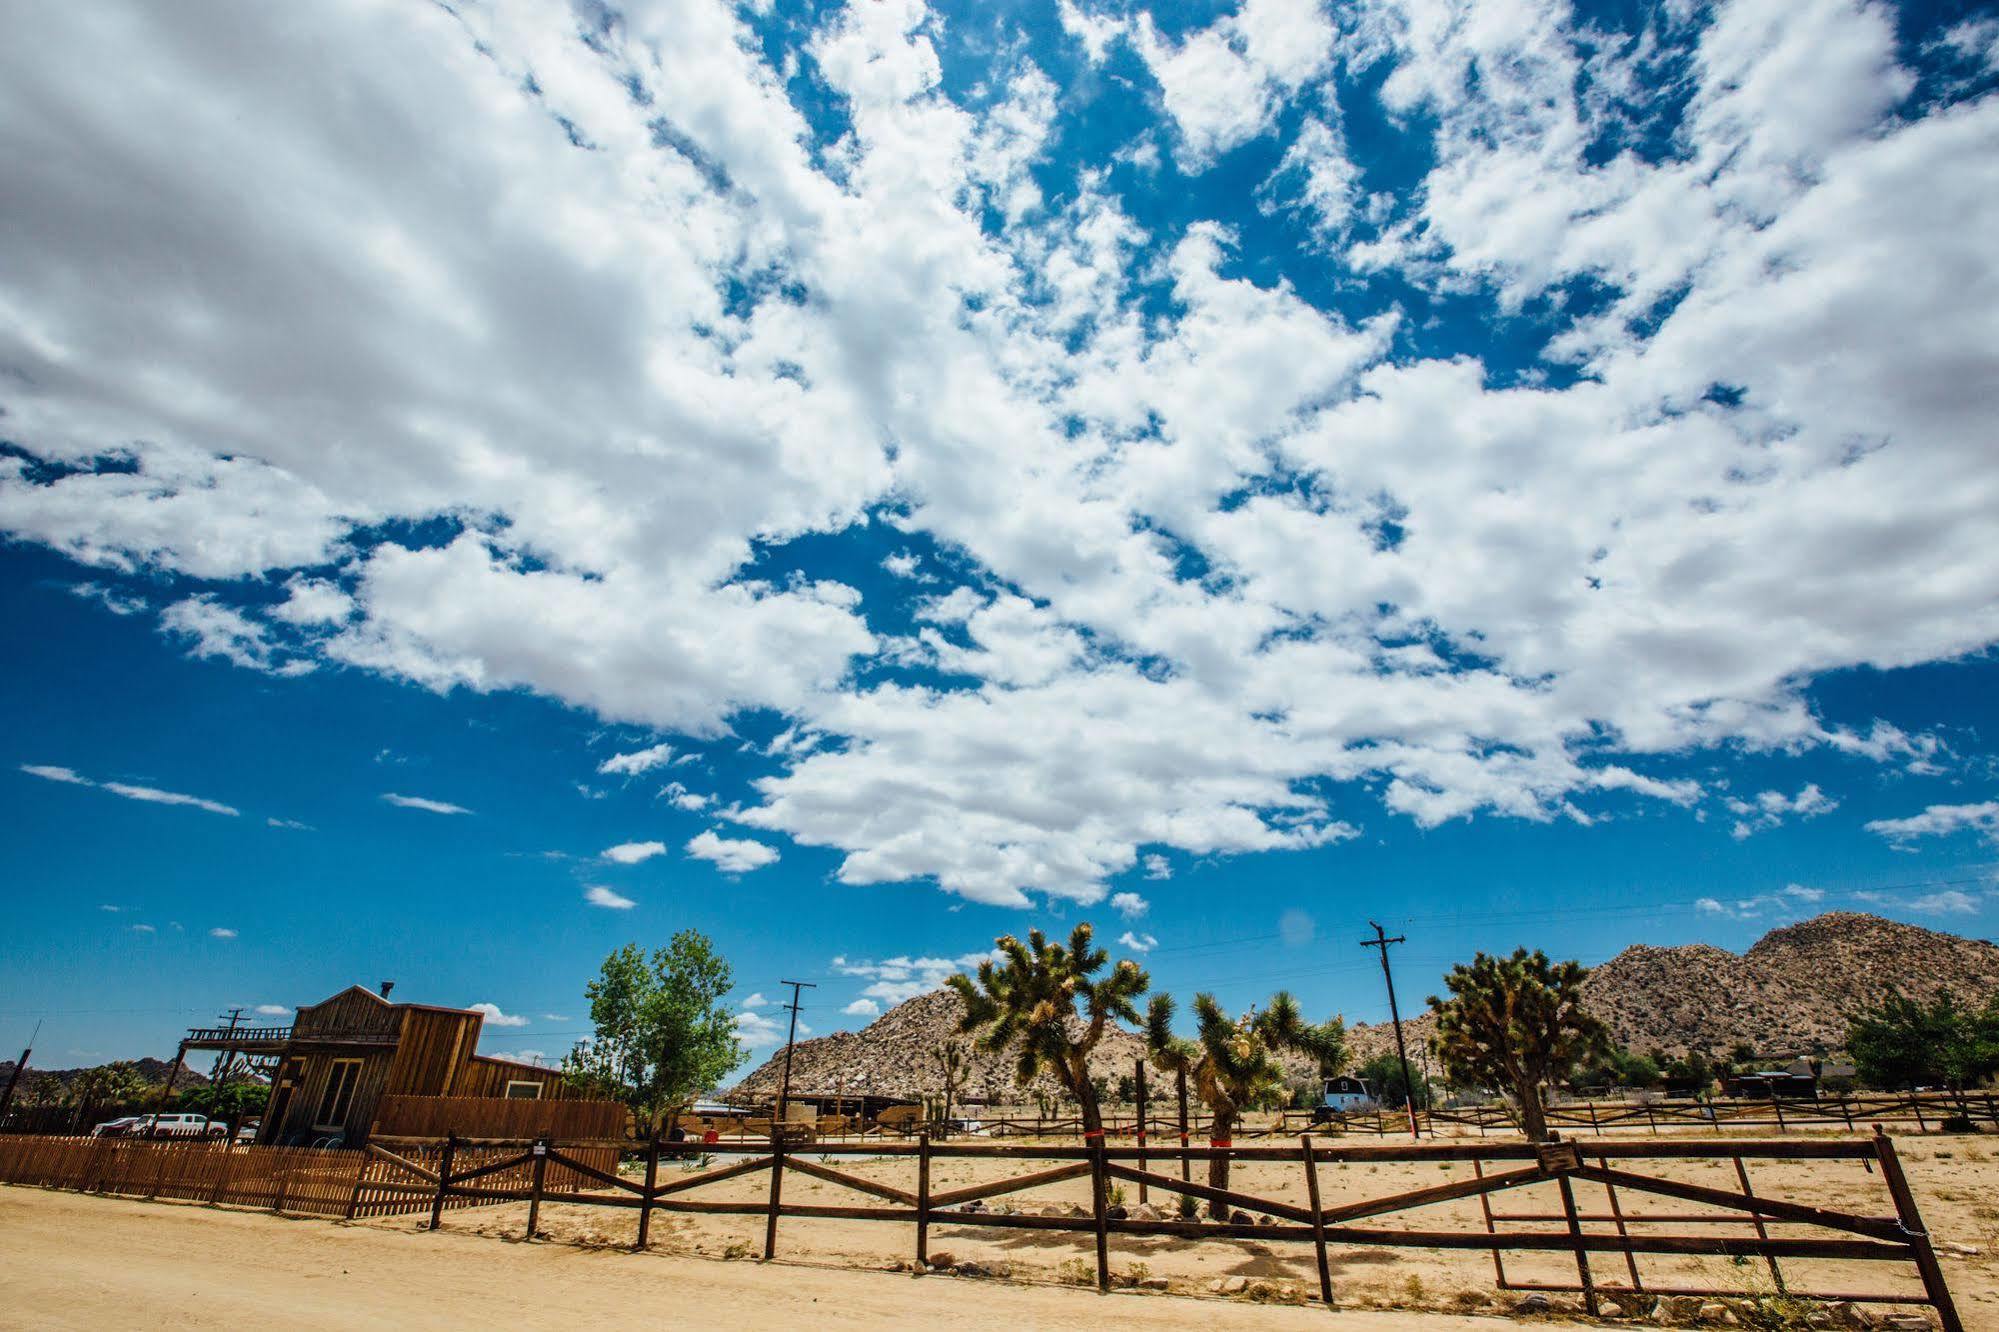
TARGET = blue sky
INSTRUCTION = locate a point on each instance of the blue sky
(857, 481)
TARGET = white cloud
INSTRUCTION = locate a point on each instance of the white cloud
(1711, 906)
(643, 760)
(420, 802)
(1157, 867)
(144, 929)
(271, 1010)
(53, 773)
(212, 629)
(1172, 486)
(1801, 893)
(1949, 901)
(598, 895)
(221, 932)
(680, 797)
(1138, 943)
(554, 1017)
(313, 602)
(756, 1000)
(151, 795)
(631, 853)
(1941, 821)
(496, 1018)
(731, 855)
(863, 1008)
(291, 824)
(755, 1030)
(1768, 809)
(111, 598)
(1130, 905)
(901, 978)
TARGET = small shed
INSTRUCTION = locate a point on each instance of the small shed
(1346, 1092)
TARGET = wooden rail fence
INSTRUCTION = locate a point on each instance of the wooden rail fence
(313, 1181)
(1896, 1236)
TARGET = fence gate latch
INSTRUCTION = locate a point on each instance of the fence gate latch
(1559, 1158)
(541, 1149)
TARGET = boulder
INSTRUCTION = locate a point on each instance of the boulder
(1231, 1285)
(943, 1260)
(1153, 1283)
(1241, 1218)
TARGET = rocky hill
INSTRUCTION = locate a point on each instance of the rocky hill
(1788, 993)
(47, 1085)
(892, 1057)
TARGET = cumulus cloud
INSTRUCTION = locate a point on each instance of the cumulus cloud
(1138, 943)
(901, 978)
(221, 932)
(680, 797)
(1129, 905)
(863, 1008)
(638, 761)
(631, 853)
(1768, 809)
(1940, 821)
(731, 855)
(1277, 562)
(496, 1018)
(758, 1030)
(598, 895)
(423, 803)
(271, 1010)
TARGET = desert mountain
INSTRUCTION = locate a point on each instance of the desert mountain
(1788, 994)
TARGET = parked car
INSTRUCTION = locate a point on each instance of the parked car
(183, 1126)
(119, 1128)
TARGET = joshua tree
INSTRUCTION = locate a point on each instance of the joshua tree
(1027, 1004)
(1515, 1023)
(953, 1071)
(1231, 1063)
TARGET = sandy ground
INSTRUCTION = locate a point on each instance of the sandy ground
(74, 1261)
(1956, 1182)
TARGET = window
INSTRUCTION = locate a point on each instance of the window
(523, 1091)
(339, 1095)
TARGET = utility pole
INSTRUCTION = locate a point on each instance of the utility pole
(1382, 941)
(784, 1088)
(227, 1059)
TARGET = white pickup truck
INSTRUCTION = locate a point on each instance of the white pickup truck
(162, 1126)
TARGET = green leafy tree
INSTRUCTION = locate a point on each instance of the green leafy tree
(236, 1099)
(1613, 1066)
(1383, 1075)
(119, 1083)
(662, 1035)
(1231, 1063)
(1515, 1024)
(1048, 1006)
(1903, 1043)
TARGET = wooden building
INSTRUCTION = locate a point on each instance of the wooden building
(339, 1057)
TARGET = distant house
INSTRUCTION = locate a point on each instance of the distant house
(332, 1066)
(1346, 1093)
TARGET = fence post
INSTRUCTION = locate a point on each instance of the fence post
(1186, 1167)
(222, 1175)
(1918, 1238)
(540, 1149)
(1583, 1272)
(360, 1179)
(923, 1198)
(1141, 1128)
(776, 1190)
(443, 1179)
(1777, 1104)
(1916, 1102)
(652, 1182)
(1097, 1181)
(1762, 1231)
(1623, 1233)
(1318, 1219)
(281, 1178)
(1485, 1209)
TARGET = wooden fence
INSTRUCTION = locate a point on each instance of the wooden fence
(1897, 1236)
(1926, 1112)
(313, 1181)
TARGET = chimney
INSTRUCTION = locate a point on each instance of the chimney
(386, 987)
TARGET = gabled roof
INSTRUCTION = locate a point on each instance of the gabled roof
(392, 1003)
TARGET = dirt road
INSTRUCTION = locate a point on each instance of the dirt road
(75, 1261)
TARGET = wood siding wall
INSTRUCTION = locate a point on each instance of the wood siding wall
(484, 1076)
(432, 1053)
(497, 1117)
(352, 1013)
